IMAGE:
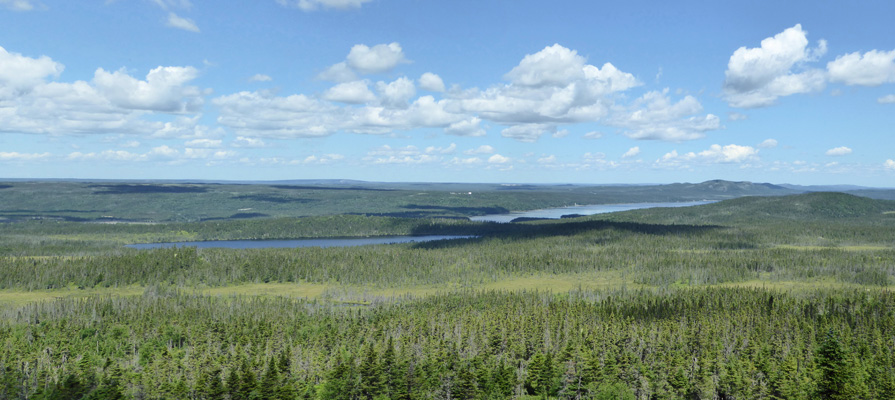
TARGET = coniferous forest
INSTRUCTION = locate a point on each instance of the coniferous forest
(758, 297)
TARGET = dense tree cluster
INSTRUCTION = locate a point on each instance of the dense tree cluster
(698, 343)
(674, 332)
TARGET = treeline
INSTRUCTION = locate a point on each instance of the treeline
(653, 255)
(712, 343)
(68, 238)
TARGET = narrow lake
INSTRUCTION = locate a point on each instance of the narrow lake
(553, 213)
(294, 243)
(556, 213)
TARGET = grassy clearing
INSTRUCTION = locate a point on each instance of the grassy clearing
(603, 280)
(17, 298)
(358, 294)
(306, 290)
(766, 281)
(845, 248)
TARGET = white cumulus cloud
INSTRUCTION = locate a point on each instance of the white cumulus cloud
(632, 152)
(261, 114)
(499, 159)
(887, 99)
(364, 60)
(21, 73)
(757, 77)
(553, 66)
(355, 92)
(715, 154)
(247, 142)
(163, 90)
(377, 59)
(839, 151)
(313, 5)
(18, 5)
(551, 159)
(403, 155)
(483, 149)
(873, 68)
(339, 72)
(889, 164)
(205, 143)
(654, 116)
(396, 94)
(176, 21)
(467, 127)
(16, 156)
(528, 132)
(768, 144)
(431, 82)
(260, 78)
(550, 87)
(113, 102)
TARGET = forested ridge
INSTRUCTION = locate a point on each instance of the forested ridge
(768, 298)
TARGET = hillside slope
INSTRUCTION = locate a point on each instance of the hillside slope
(821, 206)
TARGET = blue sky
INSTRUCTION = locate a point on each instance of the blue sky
(461, 91)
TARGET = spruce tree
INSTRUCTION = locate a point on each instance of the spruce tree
(832, 365)
(370, 374)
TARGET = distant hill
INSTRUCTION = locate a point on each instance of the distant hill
(824, 188)
(737, 189)
(800, 207)
(817, 205)
(161, 201)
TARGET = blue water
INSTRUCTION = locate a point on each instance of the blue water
(552, 213)
(294, 243)
(556, 213)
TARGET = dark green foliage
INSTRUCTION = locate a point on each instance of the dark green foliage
(729, 343)
(658, 341)
(167, 202)
(836, 380)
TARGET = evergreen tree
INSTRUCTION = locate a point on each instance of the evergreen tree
(233, 384)
(111, 388)
(248, 382)
(835, 377)
(214, 389)
(338, 385)
(535, 372)
(573, 386)
(389, 369)
(270, 382)
(614, 391)
(464, 387)
(370, 374)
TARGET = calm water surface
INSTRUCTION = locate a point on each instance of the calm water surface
(294, 243)
(555, 213)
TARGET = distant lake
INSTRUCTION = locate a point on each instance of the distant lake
(556, 213)
(294, 243)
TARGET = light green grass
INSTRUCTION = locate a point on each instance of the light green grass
(845, 248)
(601, 280)
(306, 290)
(764, 281)
(16, 298)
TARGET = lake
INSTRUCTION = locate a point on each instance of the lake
(556, 213)
(551, 213)
(295, 243)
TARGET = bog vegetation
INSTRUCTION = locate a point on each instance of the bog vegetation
(783, 297)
